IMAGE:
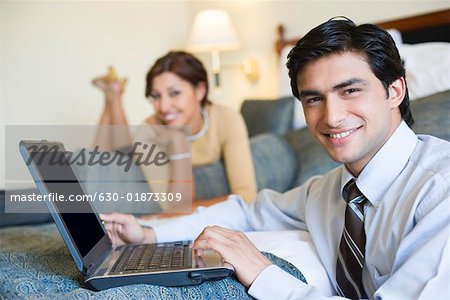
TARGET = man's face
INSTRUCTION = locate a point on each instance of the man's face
(347, 109)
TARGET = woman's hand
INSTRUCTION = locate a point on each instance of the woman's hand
(124, 229)
(173, 137)
(236, 249)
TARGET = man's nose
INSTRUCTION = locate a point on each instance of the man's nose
(335, 111)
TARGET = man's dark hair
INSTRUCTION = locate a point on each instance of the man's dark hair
(340, 36)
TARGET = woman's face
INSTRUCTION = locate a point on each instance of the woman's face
(177, 101)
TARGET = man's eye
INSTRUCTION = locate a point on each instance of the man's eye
(351, 91)
(312, 100)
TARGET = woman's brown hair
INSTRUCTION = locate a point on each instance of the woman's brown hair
(184, 65)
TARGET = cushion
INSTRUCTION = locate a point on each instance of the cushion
(210, 181)
(427, 68)
(275, 162)
(312, 159)
(431, 115)
(396, 36)
(273, 116)
(35, 263)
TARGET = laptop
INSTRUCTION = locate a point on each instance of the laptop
(102, 266)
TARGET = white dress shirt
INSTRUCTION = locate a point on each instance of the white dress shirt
(407, 221)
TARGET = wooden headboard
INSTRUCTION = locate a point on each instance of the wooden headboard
(416, 29)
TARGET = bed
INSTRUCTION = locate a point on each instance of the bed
(34, 262)
(424, 45)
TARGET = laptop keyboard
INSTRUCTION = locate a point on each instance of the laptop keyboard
(153, 257)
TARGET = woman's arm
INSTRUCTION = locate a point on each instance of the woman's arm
(173, 177)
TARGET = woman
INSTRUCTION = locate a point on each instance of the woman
(177, 87)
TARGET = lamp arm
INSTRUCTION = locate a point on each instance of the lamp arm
(215, 66)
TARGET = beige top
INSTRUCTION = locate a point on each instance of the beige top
(226, 139)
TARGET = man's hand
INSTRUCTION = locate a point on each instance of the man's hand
(124, 229)
(236, 249)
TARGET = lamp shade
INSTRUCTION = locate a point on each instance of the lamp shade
(213, 31)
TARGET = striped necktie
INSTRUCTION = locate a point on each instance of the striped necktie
(350, 260)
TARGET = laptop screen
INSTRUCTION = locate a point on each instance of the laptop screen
(84, 228)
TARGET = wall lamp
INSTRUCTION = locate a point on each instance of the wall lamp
(213, 32)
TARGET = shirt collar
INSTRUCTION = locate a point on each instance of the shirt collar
(385, 166)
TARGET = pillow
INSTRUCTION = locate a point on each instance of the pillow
(210, 181)
(274, 116)
(396, 36)
(274, 161)
(431, 115)
(427, 68)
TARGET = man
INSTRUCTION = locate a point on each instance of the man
(391, 241)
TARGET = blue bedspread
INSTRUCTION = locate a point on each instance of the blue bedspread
(35, 264)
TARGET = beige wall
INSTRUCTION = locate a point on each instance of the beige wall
(50, 51)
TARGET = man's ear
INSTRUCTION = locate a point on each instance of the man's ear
(397, 91)
(200, 91)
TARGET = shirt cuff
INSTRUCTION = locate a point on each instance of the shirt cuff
(177, 229)
(274, 283)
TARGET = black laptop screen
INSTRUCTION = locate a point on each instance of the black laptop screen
(59, 178)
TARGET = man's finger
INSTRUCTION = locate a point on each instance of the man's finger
(108, 226)
(219, 243)
(211, 244)
(116, 218)
(226, 236)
